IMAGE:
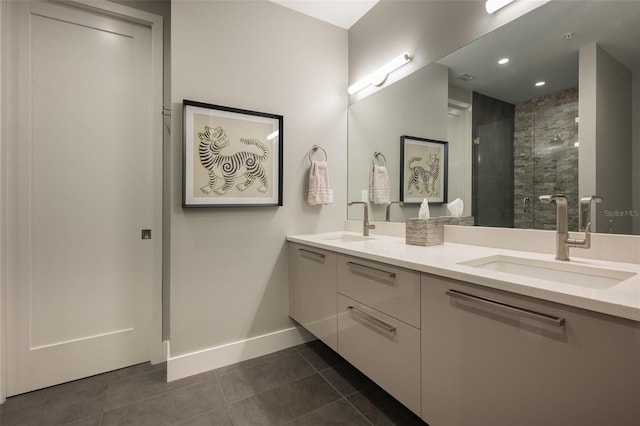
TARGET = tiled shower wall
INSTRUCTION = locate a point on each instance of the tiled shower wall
(542, 165)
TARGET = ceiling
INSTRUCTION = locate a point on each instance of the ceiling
(543, 45)
(343, 13)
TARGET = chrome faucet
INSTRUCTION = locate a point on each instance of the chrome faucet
(563, 242)
(365, 222)
(387, 217)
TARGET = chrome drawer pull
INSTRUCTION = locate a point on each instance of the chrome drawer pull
(386, 327)
(312, 255)
(544, 318)
(374, 272)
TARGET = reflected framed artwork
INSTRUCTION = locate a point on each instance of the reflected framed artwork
(231, 156)
(423, 170)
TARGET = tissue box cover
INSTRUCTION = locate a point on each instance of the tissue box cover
(424, 232)
(430, 232)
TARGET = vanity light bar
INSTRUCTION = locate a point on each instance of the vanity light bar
(379, 76)
(493, 5)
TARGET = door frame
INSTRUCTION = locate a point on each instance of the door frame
(9, 80)
(464, 111)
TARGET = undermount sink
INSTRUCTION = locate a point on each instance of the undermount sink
(562, 272)
(347, 238)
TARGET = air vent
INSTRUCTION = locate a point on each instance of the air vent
(466, 77)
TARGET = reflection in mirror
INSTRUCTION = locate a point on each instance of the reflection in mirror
(572, 135)
(411, 106)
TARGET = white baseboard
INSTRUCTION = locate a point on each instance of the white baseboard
(211, 358)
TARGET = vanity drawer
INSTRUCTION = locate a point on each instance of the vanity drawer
(389, 289)
(383, 348)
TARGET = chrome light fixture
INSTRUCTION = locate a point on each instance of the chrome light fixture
(493, 5)
(379, 76)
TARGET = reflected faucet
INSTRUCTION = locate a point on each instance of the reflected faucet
(365, 222)
(387, 217)
(563, 242)
(585, 210)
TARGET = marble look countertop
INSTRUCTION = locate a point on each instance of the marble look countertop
(621, 300)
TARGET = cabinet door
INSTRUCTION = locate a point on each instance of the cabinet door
(383, 348)
(501, 364)
(312, 291)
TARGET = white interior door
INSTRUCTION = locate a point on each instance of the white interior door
(81, 301)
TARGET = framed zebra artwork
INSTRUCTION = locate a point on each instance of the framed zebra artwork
(423, 170)
(231, 156)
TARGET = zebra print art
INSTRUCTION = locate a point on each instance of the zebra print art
(231, 168)
(424, 180)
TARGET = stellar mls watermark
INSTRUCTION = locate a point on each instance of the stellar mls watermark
(621, 213)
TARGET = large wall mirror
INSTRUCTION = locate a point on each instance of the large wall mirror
(510, 140)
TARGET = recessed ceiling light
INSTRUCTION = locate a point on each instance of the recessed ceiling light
(503, 61)
(540, 83)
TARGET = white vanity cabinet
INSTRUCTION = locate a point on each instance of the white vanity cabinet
(495, 358)
(312, 291)
(460, 354)
(378, 325)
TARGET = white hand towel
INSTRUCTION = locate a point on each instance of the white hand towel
(379, 185)
(318, 190)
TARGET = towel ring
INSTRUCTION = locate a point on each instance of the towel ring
(315, 149)
(377, 155)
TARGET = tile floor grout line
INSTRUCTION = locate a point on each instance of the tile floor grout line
(359, 412)
(200, 414)
(148, 397)
(232, 401)
(325, 406)
(338, 391)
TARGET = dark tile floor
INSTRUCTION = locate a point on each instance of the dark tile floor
(307, 385)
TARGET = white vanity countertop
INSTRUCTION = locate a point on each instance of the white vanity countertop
(621, 300)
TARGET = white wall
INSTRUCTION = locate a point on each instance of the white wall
(228, 266)
(427, 29)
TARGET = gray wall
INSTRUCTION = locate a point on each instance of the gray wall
(613, 142)
(2, 203)
(635, 182)
(228, 266)
(492, 161)
(605, 129)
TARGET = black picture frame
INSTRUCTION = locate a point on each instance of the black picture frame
(424, 168)
(231, 156)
